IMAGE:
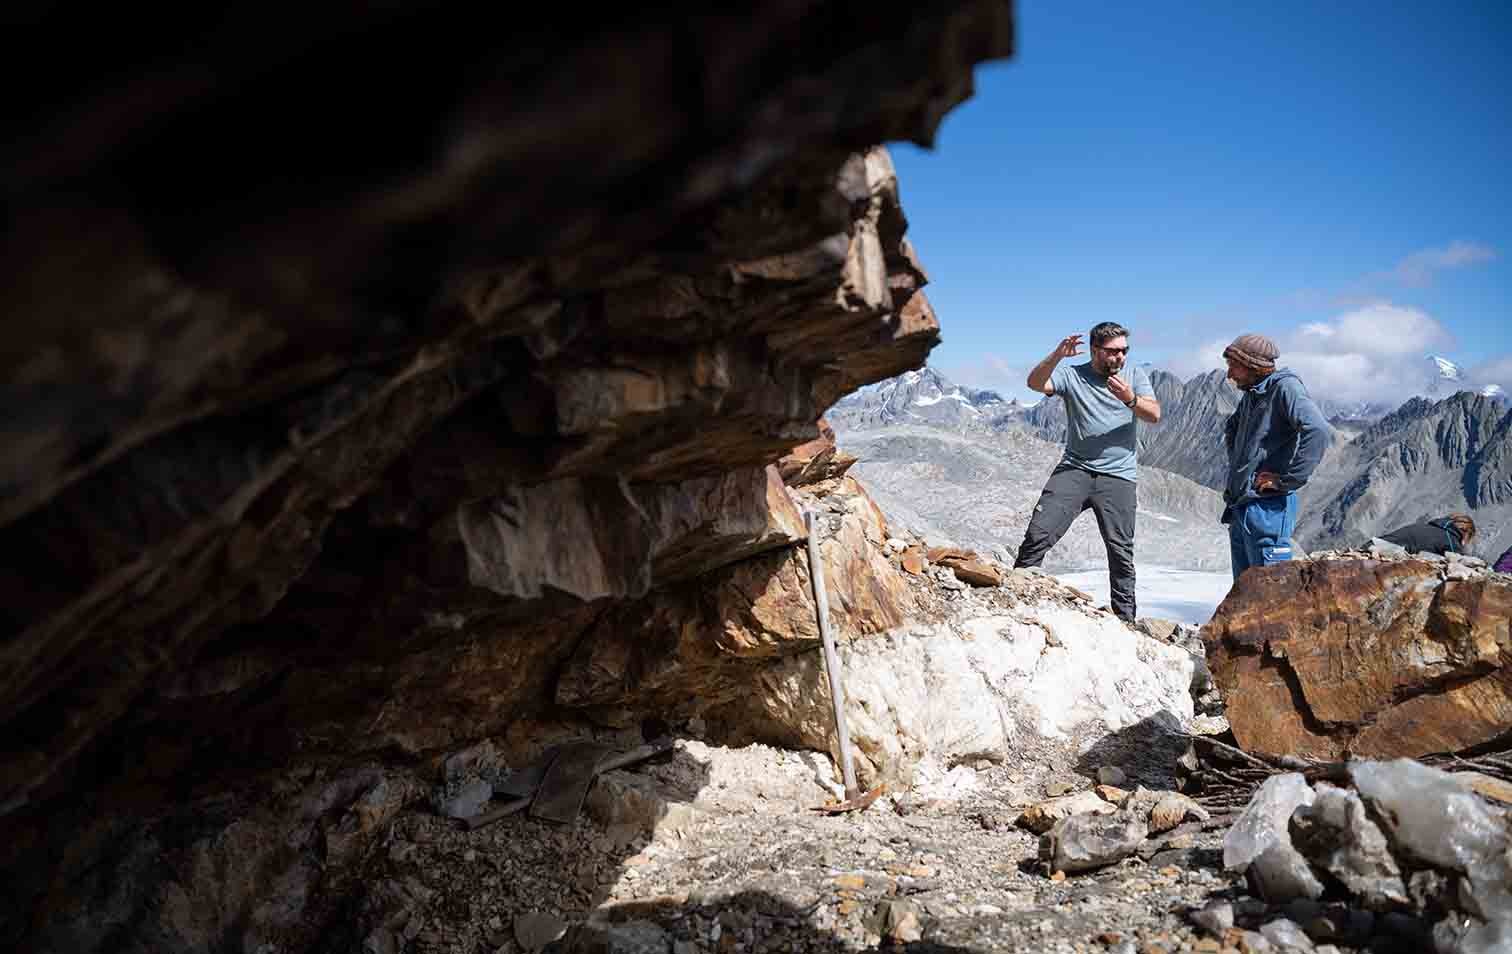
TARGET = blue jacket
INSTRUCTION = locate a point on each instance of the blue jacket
(1278, 428)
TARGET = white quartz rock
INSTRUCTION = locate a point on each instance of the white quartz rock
(1260, 844)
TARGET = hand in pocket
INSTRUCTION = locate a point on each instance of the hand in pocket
(1267, 482)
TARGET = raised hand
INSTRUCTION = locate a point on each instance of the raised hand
(1121, 389)
(1069, 347)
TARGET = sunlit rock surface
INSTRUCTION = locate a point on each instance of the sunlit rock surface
(1260, 845)
(1374, 658)
(978, 687)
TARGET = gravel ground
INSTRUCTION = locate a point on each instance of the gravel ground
(718, 849)
(745, 864)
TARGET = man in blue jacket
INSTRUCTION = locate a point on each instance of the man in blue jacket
(1275, 438)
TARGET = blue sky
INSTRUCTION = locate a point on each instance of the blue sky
(1338, 176)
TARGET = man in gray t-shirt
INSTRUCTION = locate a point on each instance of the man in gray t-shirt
(1104, 404)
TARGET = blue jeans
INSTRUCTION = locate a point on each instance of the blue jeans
(1260, 532)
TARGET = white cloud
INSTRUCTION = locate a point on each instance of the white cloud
(1419, 267)
(1385, 330)
(1375, 353)
(1204, 357)
(1495, 371)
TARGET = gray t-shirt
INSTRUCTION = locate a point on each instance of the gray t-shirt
(1101, 433)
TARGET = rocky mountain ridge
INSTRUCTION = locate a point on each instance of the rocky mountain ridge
(927, 397)
(1423, 460)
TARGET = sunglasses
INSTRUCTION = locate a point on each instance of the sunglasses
(1123, 350)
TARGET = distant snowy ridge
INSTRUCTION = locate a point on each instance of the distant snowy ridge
(923, 397)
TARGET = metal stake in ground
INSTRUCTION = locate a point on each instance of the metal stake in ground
(831, 658)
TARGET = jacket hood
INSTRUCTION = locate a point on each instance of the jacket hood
(1269, 381)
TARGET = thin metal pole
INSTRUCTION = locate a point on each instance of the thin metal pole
(831, 658)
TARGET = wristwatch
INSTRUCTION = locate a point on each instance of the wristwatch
(1132, 401)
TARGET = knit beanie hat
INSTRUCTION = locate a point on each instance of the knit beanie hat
(1255, 351)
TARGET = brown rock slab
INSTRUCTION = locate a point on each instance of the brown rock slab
(950, 555)
(816, 460)
(1498, 790)
(1042, 817)
(976, 573)
(1367, 658)
(912, 560)
(1111, 794)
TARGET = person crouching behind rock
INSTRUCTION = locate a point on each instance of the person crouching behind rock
(1451, 534)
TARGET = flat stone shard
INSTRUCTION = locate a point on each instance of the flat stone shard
(815, 460)
(1259, 843)
(977, 573)
(1336, 834)
(1088, 841)
(1043, 816)
(1430, 817)
(1361, 657)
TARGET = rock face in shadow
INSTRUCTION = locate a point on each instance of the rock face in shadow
(348, 404)
(1365, 657)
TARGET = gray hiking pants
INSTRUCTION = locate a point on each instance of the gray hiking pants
(1113, 500)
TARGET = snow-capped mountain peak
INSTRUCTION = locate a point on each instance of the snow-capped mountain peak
(1447, 370)
(924, 396)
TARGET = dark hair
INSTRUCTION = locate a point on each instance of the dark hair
(1464, 525)
(1107, 331)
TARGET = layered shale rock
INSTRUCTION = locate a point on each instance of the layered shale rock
(688, 648)
(1353, 655)
(349, 406)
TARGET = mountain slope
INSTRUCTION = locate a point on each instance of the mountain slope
(1189, 438)
(978, 490)
(1423, 460)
